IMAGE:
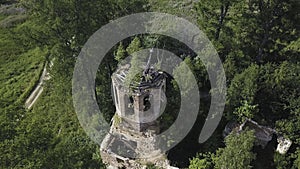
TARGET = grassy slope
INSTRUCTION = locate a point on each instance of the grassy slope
(19, 70)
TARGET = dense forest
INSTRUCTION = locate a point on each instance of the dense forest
(257, 41)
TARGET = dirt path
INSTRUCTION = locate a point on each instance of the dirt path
(38, 89)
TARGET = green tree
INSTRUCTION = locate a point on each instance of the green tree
(245, 111)
(281, 161)
(184, 76)
(248, 79)
(238, 151)
(265, 28)
(121, 53)
(134, 46)
(201, 161)
(136, 62)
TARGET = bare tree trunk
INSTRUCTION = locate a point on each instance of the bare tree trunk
(224, 10)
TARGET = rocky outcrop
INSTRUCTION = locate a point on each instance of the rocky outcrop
(263, 134)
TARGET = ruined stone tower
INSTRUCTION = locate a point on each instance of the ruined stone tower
(138, 105)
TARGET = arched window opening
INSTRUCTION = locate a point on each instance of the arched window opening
(146, 103)
(131, 99)
(116, 96)
(130, 105)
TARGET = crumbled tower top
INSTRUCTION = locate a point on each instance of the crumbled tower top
(150, 78)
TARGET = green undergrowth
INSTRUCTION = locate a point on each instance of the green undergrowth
(19, 74)
(20, 67)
